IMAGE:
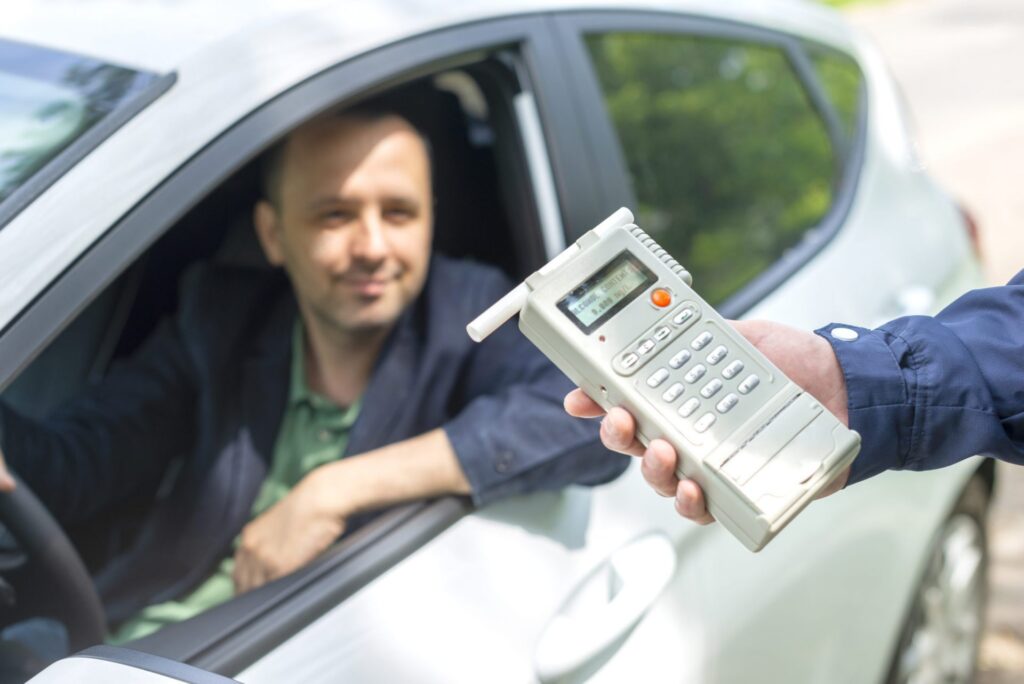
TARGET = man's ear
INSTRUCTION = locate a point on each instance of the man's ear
(264, 218)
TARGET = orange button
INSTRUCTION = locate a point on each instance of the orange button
(661, 297)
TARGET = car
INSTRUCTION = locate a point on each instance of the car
(761, 142)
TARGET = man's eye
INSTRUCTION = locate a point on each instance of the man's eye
(337, 216)
(398, 215)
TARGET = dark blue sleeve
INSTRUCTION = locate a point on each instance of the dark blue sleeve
(513, 436)
(115, 439)
(926, 392)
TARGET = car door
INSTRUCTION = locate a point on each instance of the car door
(476, 594)
(542, 586)
(743, 150)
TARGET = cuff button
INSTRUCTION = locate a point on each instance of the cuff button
(844, 334)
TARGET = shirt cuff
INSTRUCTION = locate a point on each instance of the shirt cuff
(486, 468)
(878, 398)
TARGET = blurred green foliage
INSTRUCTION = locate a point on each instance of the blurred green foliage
(730, 162)
(841, 78)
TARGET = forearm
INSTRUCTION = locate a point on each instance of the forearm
(927, 392)
(419, 468)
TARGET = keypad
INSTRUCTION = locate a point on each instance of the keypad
(704, 422)
(748, 384)
(657, 377)
(673, 392)
(711, 389)
(728, 403)
(696, 373)
(689, 407)
(683, 316)
(712, 372)
(702, 340)
(717, 354)
(652, 342)
(732, 370)
(680, 359)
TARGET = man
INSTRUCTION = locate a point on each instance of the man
(923, 392)
(262, 386)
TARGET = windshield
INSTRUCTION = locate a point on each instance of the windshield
(49, 99)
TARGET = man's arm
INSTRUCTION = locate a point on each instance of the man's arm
(303, 524)
(112, 441)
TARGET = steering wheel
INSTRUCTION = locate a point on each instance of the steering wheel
(48, 571)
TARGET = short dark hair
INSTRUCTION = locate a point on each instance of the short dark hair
(371, 111)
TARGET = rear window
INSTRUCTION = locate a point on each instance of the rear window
(50, 99)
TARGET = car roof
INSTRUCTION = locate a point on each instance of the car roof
(161, 35)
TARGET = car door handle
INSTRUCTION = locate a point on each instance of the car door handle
(604, 608)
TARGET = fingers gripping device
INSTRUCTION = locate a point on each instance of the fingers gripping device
(616, 313)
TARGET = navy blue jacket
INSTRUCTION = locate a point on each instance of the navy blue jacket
(927, 392)
(208, 390)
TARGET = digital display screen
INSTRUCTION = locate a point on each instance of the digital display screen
(608, 291)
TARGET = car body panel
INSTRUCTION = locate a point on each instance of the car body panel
(472, 603)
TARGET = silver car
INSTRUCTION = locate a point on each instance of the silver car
(761, 142)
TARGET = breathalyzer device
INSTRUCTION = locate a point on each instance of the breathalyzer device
(616, 313)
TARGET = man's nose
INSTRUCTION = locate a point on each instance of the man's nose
(370, 242)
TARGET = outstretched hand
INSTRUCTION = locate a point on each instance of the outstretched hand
(806, 358)
(6, 481)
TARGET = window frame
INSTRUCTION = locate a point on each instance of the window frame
(571, 29)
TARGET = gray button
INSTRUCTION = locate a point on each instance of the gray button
(657, 377)
(679, 359)
(749, 383)
(717, 354)
(673, 392)
(702, 340)
(728, 403)
(711, 389)
(706, 421)
(844, 334)
(324, 435)
(696, 373)
(629, 360)
(645, 347)
(732, 370)
(688, 407)
(682, 316)
(661, 333)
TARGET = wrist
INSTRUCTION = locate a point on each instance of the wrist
(334, 490)
(835, 399)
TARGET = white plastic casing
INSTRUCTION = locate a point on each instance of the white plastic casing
(759, 447)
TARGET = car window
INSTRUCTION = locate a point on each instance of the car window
(842, 81)
(465, 117)
(730, 163)
(48, 99)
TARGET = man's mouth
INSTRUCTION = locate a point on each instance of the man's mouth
(368, 286)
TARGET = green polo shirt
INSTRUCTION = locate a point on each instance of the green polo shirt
(314, 431)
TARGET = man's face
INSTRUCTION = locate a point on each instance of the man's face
(353, 221)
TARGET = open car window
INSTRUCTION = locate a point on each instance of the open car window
(480, 185)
